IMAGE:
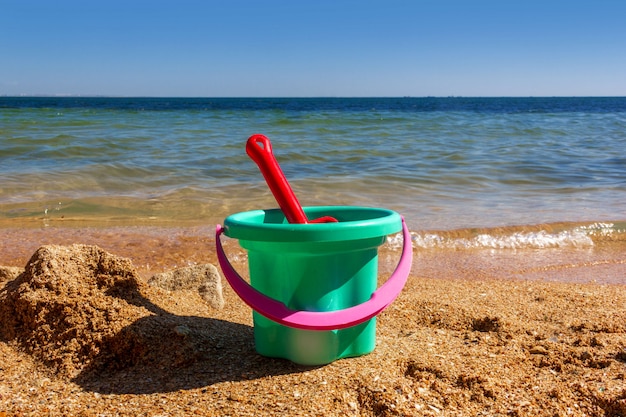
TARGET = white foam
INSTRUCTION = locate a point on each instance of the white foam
(600, 229)
(534, 240)
(577, 237)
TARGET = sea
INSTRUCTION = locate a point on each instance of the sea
(502, 172)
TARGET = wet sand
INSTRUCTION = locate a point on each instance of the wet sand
(484, 332)
(155, 249)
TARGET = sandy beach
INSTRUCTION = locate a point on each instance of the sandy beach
(494, 333)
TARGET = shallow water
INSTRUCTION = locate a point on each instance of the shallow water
(444, 163)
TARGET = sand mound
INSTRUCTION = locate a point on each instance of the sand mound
(9, 272)
(68, 303)
(78, 308)
(205, 279)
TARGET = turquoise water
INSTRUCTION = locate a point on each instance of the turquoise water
(444, 163)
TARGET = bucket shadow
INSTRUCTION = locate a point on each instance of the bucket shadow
(166, 352)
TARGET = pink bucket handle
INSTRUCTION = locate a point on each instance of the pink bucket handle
(320, 320)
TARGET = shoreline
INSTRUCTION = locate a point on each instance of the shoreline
(155, 248)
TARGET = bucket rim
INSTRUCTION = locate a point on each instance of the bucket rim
(354, 222)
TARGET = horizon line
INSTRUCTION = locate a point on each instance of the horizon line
(290, 97)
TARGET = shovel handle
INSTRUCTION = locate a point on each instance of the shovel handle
(259, 149)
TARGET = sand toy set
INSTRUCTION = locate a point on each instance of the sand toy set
(313, 271)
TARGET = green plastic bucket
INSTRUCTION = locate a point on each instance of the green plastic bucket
(313, 286)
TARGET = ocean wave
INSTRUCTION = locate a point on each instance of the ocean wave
(573, 236)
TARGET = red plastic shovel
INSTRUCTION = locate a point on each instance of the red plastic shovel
(259, 149)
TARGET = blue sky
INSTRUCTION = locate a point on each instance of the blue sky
(232, 48)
